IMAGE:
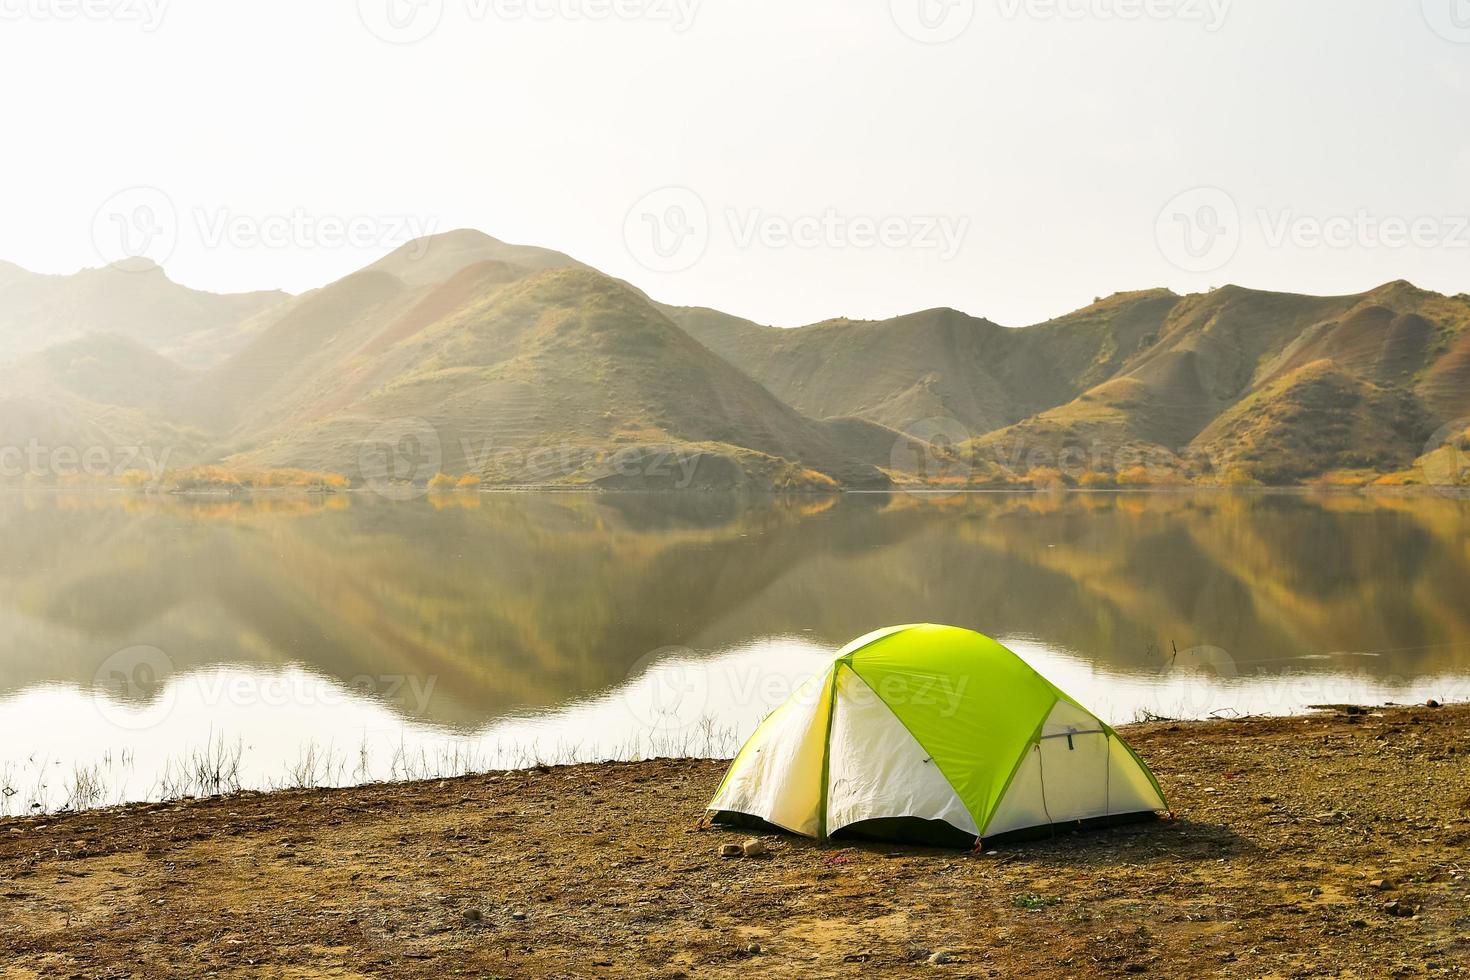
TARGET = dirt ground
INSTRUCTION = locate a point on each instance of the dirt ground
(1336, 845)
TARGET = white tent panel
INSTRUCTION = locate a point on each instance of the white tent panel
(1067, 717)
(1074, 764)
(1024, 804)
(1129, 788)
(1073, 772)
(878, 769)
(778, 775)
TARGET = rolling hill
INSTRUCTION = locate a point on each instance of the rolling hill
(105, 402)
(1273, 387)
(537, 379)
(134, 300)
(1269, 387)
(935, 364)
(334, 341)
(519, 365)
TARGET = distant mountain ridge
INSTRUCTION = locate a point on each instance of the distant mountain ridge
(937, 363)
(134, 299)
(528, 367)
(1321, 383)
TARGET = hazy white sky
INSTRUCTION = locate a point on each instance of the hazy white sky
(787, 161)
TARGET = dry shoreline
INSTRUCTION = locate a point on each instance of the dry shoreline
(1332, 845)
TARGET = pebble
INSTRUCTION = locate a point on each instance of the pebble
(731, 851)
(754, 848)
(472, 915)
(942, 957)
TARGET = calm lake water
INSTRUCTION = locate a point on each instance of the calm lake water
(166, 646)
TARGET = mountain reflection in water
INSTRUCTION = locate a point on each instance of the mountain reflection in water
(459, 613)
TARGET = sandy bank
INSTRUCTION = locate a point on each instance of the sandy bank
(1337, 845)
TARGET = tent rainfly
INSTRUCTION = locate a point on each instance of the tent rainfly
(938, 735)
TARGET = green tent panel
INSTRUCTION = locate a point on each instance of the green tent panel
(933, 727)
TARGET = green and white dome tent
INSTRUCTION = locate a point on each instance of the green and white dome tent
(936, 734)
